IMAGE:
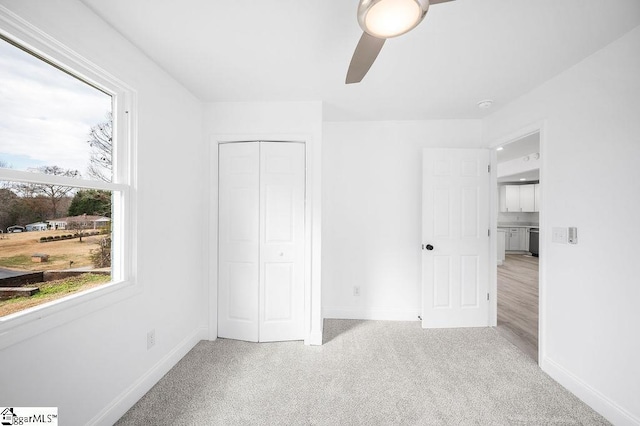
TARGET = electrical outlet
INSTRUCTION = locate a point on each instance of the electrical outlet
(356, 290)
(151, 339)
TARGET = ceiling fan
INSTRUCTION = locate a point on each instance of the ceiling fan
(380, 20)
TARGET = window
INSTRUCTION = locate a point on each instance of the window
(65, 179)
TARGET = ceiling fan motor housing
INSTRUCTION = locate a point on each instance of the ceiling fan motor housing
(390, 18)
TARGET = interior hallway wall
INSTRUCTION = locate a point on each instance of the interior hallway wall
(591, 180)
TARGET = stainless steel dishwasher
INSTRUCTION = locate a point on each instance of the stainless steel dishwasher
(534, 237)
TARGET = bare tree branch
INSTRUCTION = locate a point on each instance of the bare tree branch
(54, 193)
(101, 142)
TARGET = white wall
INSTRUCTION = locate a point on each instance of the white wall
(300, 121)
(96, 367)
(518, 165)
(371, 226)
(590, 179)
(525, 218)
(256, 118)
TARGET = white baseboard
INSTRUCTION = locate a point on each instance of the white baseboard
(371, 314)
(592, 397)
(121, 404)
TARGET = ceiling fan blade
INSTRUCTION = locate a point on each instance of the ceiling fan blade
(366, 53)
(438, 1)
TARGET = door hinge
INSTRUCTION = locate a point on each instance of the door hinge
(489, 168)
(487, 296)
(488, 232)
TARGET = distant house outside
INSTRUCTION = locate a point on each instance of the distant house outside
(38, 226)
(79, 222)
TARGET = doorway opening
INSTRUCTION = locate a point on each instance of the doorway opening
(518, 225)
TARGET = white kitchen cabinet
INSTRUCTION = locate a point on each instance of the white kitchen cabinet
(527, 198)
(519, 198)
(509, 199)
(516, 239)
(513, 239)
(513, 198)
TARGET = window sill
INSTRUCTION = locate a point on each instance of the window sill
(24, 325)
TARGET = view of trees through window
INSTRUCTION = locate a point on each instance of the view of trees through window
(55, 239)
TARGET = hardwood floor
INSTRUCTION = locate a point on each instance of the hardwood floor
(518, 302)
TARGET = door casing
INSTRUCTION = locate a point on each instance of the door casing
(539, 127)
(312, 285)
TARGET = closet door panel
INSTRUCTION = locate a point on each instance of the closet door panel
(282, 198)
(238, 241)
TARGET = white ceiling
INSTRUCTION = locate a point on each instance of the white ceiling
(299, 50)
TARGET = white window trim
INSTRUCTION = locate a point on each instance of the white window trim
(28, 323)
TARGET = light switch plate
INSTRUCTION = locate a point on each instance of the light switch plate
(559, 235)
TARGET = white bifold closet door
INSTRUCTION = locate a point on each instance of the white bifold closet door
(261, 241)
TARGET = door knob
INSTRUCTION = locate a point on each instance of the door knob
(429, 247)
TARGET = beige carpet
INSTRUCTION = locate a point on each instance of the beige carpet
(366, 373)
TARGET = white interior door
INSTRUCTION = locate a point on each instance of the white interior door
(238, 241)
(455, 224)
(261, 241)
(282, 193)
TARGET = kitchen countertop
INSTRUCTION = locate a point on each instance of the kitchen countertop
(519, 225)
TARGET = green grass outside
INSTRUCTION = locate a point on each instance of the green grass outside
(53, 290)
(68, 285)
(20, 261)
(23, 261)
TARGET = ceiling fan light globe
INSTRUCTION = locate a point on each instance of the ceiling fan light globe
(391, 18)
